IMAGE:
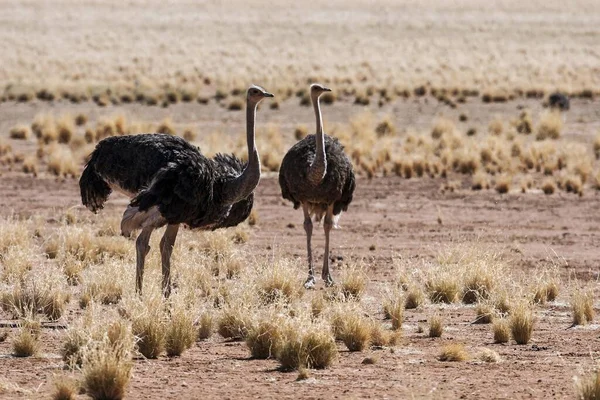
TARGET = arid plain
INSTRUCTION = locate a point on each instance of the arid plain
(474, 223)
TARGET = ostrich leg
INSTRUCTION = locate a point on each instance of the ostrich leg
(141, 248)
(166, 248)
(327, 225)
(308, 227)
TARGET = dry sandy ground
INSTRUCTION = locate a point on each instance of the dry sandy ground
(399, 217)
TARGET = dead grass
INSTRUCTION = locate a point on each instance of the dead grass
(265, 338)
(356, 333)
(454, 352)
(64, 389)
(588, 387)
(521, 323)
(550, 126)
(20, 132)
(180, 332)
(582, 305)
(436, 326)
(233, 323)
(489, 356)
(26, 342)
(501, 328)
(353, 281)
(148, 326)
(107, 369)
(309, 346)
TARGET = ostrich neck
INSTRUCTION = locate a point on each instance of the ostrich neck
(240, 187)
(318, 168)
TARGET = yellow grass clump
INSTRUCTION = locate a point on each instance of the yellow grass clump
(582, 305)
(454, 352)
(20, 132)
(550, 126)
(588, 387)
(489, 356)
(521, 323)
(307, 345)
(26, 343)
(436, 326)
(356, 333)
(265, 338)
(180, 332)
(205, 327)
(64, 389)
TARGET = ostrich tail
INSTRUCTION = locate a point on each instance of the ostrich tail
(94, 190)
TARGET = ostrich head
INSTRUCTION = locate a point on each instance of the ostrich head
(256, 94)
(316, 89)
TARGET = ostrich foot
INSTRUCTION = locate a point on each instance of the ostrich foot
(310, 282)
(328, 281)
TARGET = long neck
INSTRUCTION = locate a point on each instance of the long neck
(318, 168)
(241, 186)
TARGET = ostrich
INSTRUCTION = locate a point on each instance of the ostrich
(171, 183)
(317, 175)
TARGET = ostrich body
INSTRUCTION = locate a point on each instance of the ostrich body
(171, 183)
(317, 175)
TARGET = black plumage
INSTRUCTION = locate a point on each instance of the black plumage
(559, 100)
(337, 186)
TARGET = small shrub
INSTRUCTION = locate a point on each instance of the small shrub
(353, 282)
(65, 129)
(453, 352)
(235, 105)
(300, 132)
(496, 127)
(443, 288)
(503, 184)
(166, 126)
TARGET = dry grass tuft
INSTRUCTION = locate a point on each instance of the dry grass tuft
(233, 323)
(436, 326)
(26, 343)
(180, 332)
(148, 326)
(353, 282)
(582, 304)
(309, 346)
(20, 132)
(588, 388)
(484, 313)
(206, 325)
(454, 352)
(61, 162)
(503, 184)
(442, 126)
(65, 128)
(65, 389)
(266, 337)
(521, 323)
(443, 287)
(107, 369)
(550, 126)
(477, 286)
(280, 282)
(394, 309)
(548, 186)
(489, 356)
(501, 329)
(496, 127)
(356, 333)
(414, 297)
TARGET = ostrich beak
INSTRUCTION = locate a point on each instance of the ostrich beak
(267, 94)
(326, 89)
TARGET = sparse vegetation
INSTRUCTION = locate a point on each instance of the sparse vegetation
(521, 323)
(453, 352)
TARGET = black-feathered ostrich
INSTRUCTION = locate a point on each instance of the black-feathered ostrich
(317, 175)
(172, 183)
